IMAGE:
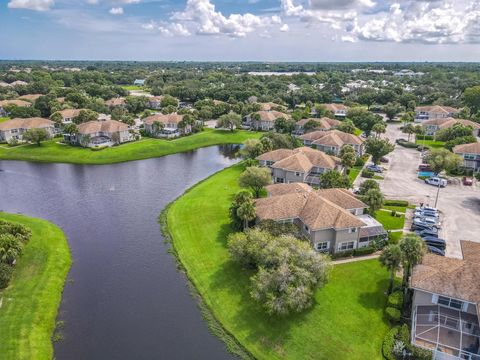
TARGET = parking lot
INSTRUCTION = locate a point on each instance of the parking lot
(459, 204)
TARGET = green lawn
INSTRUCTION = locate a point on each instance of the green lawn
(52, 151)
(346, 321)
(395, 208)
(133, 87)
(2, 119)
(430, 143)
(30, 303)
(390, 222)
(354, 171)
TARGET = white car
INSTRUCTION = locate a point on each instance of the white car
(436, 181)
(426, 208)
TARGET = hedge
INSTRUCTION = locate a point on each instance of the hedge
(395, 300)
(367, 174)
(389, 342)
(364, 251)
(407, 144)
(396, 203)
(393, 315)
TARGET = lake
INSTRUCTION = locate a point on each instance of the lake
(124, 298)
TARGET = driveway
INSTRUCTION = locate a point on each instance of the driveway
(459, 204)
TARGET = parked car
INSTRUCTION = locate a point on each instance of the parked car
(435, 250)
(427, 222)
(436, 181)
(375, 168)
(427, 232)
(433, 241)
(431, 214)
(468, 181)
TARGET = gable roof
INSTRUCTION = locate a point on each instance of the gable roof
(108, 126)
(313, 210)
(323, 123)
(332, 138)
(437, 109)
(301, 159)
(115, 101)
(30, 97)
(449, 122)
(472, 148)
(283, 189)
(27, 123)
(15, 102)
(69, 113)
(451, 277)
(335, 107)
(342, 197)
(172, 118)
(271, 116)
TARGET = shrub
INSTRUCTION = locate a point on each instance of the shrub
(12, 142)
(5, 275)
(389, 343)
(367, 174)
(395, 300)
(364, 251)
(343, 254)
(393, 315)
(393, 213)
(477, 176)
(360, 162)
(407, 144)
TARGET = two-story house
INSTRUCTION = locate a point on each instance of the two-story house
(432, 126)
(332, 141)
(68, 115)
(6, 103)
(155, 102)
(339, 110)
(470, 154)
(15, 128)
(99, 133)
(322, 124)
(299, 165)
(264, 120)
(445, 304)
(166, 125)
(423, 113)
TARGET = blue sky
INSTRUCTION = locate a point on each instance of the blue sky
(269, 30)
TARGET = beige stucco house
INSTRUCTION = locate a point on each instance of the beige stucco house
(423, 113)
(332, 141)
(15, 128)
(432, 126)
(470, 154)
(264, 120)
(19, 103)
(100, 133)
(170, 124)
(339, 110)
(323, 124)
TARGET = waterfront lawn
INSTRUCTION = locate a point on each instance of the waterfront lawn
(52, 151)
(346, 321)
(30, 303)
(390, 222)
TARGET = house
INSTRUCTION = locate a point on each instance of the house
(68, 115)
(15, 128)
(19, 83)
(99, 133)
(332, 141)
(170, 127)
(339, 110)
(115, 102)
(30, 97)
(470, 154)
(433, 125)
(269, 106)
(408, 73)
(323, 123)
(20, 103)
(330, 218)
(423, 113)
(264, 120)
(445, 304)
(154, 102)
(301, 165)
(139, 82)
(4, 84)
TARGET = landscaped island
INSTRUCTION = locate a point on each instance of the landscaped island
(28, 306)
(346, 320)
(52, 151)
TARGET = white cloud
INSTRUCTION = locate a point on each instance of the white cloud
(348, 38)
(205, 20)
(284, 28)
(37, 5)
(174, 29)
(116, 11)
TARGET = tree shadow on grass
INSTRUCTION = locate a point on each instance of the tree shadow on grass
(377, 299)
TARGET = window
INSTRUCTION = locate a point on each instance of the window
(279, 180)
(469, 157)
(306, 228)
(352, 230)
(297, 174)
(322, 246)
(348, 245)
(452, 303)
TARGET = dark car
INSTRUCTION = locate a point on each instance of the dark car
(435, 250)
(421, 227)
(375, 168)
(438, 243)
(424, 233)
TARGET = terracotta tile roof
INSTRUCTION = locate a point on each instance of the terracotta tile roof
(296, 162)
(342, 197)
(332, 138)
(19, 83)
(30, 97)
(115, 102)
(276, 155)
(271, 116)
(313, 210)
(455, 278)
(69, 113)
(472, 148)
(4, 84)
(437, 109)
(323, 123)
(155, 98)
(107, 126)
(172, 118)
(28, 123)
(283, 189)
(449, 122)
(15, 102)
(269, 106)
(335, 107)
(300, 159)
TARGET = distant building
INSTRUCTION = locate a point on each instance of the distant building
(323, 123)
(139, 82)
(470, 154)
(30, 97)
(68, 115)
(339, 110)
(5, 103)
(15, 128)
(155, 102)
(115, 102)
(423, 113)
(264, 120)
(408, 73)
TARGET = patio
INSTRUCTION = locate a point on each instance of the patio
(447, 331)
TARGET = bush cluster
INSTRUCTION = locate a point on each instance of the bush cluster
(393, 315)
(367, 174)
(399, 338)
(407, 144)
(395, 300)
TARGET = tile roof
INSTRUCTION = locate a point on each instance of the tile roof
(30, 97)
(455, 278)
(332, 138)
(27, 123)
(115, 102)
(283, 189)
(172, 118)
(449, 122)
(342, 197)
(335, 107)
(472, 148)
(107, 126)
(271, 116)
(15, 102)
(437, 109)
(323, 123)
(269, 106)
(69, 113)
(301, 159)
(312, 209)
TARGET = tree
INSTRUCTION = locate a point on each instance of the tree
(279, 141)
(157, 127)
(85, 116)
(70, 129)
(36, 136)
(368, 185)
(471, 98)
(454, 132)
(240, 198)
(391, 110)
(413, 249)
(255, 178)
(363, 119)
(348, 156)
(57, 117)
(367, 97)
(284, 126)
(169, 100)
(391, 258)
(408, 129)
(252, 148)
(379, 129)
(442, 159)
(230, 120)
(334, 179)
(310, 125)
(246, 212)
(374, 199)
(347, 126)
(378, 148)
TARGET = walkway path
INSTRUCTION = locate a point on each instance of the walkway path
(357, 258)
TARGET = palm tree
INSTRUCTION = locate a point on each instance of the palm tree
(374, 199)
(413, 249)
(246, 212)
(379, 129)
(408, 129)
(391, 258)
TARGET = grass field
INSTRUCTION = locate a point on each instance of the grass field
(346, 321)
(354, 171)
(390, 222)
(30, 303)
(52, 151)
(3, 119)
(133, 87)
(430, 143)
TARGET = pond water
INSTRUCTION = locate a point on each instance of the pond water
(124, 298)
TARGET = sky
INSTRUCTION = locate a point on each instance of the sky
(241, 30)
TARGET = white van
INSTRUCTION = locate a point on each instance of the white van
(436, 181)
